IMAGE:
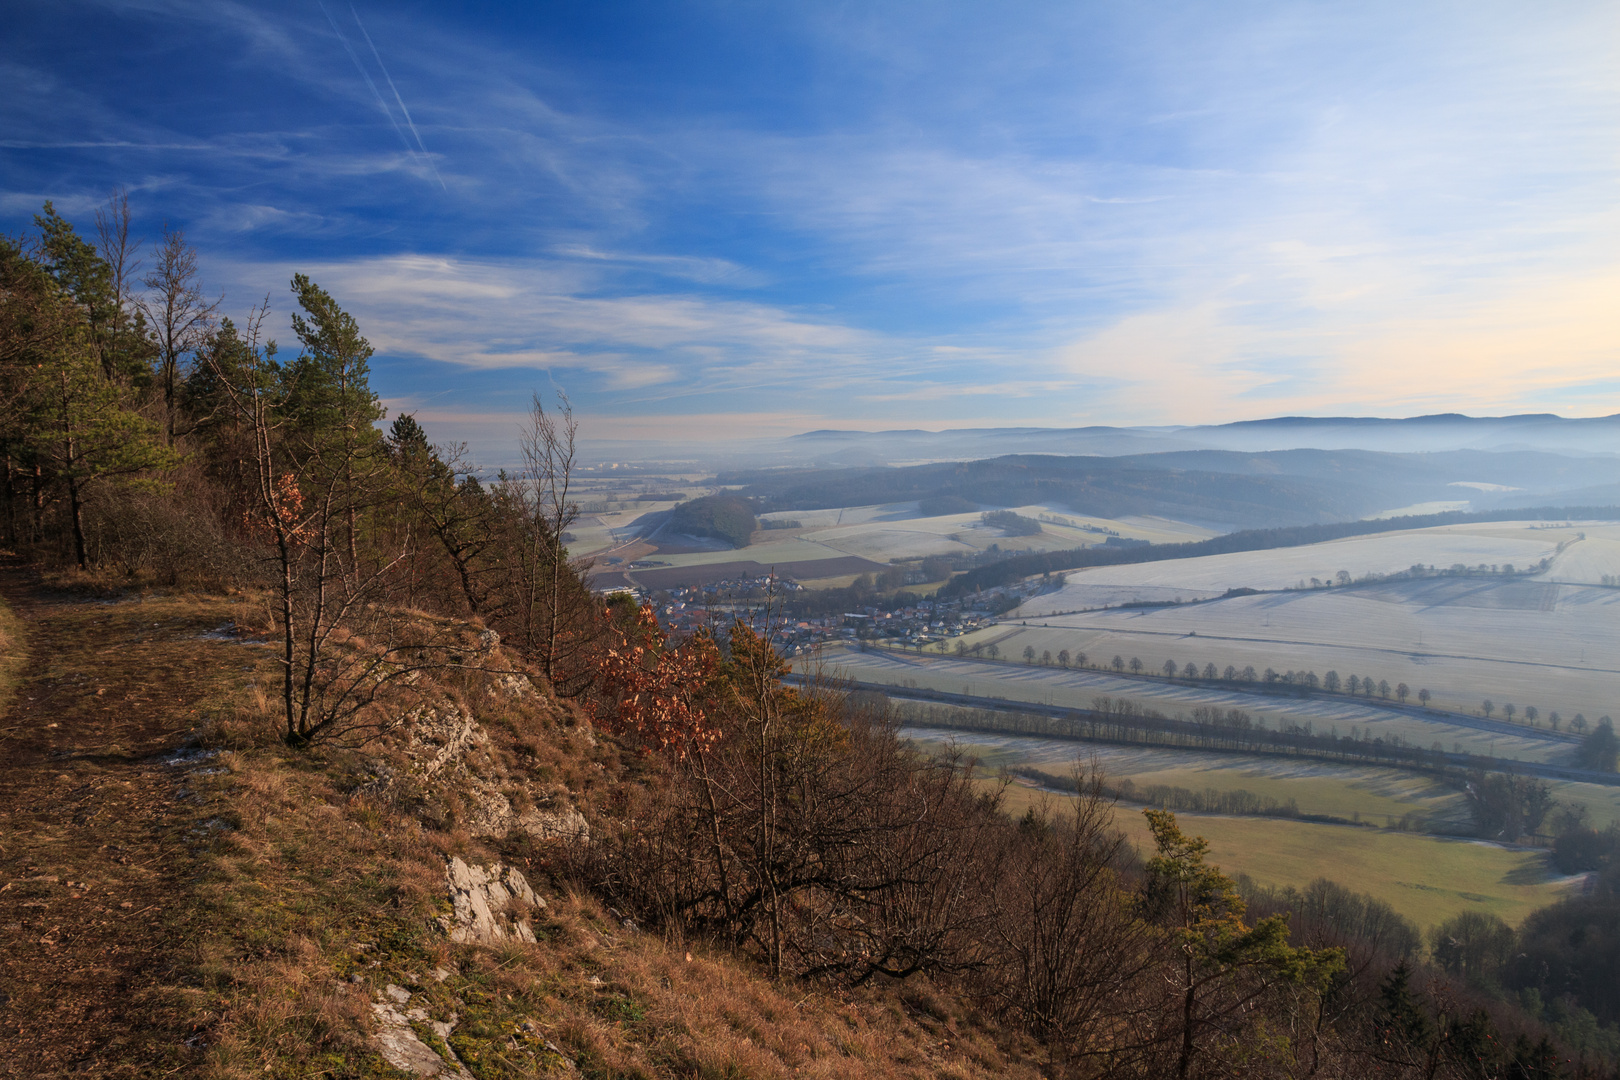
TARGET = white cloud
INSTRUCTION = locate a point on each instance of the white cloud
(537, 314)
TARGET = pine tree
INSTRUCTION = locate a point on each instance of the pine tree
(1404, 1018)
(1223, 967)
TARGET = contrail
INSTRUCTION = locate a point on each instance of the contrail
(364, 74)
(408, 121)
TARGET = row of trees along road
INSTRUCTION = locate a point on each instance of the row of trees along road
(1600, 748)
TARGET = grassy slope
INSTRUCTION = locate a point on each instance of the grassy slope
(235, 915)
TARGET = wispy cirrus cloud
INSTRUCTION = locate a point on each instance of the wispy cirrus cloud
(910, 214)
(492, 315)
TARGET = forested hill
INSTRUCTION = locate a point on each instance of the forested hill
(1223, 488)
(1106, 487)
(717, 517)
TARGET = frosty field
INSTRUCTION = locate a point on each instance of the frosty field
(1380, 796)
(1495, 544)
(1527, 642)
(1076, 689)
(897, 531)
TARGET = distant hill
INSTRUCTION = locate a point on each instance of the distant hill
(1222, 488)
(1416, 434)
(720, 517)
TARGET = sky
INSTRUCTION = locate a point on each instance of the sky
(719, 220)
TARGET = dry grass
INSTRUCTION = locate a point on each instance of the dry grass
(322, 891)
(13, 653)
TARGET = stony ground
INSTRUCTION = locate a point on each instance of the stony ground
(94, 826)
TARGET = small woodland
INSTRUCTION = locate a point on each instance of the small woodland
(392, 665)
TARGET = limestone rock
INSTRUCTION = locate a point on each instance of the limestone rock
(566, 824)
(483, 899)
(516, 685)
(441, 736)
(491, 813)
(400, 1047)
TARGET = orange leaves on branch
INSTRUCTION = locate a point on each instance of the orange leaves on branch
(653, 691)
(286, 507)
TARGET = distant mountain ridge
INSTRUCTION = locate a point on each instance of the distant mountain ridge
(1223, 489)
(1436, 432)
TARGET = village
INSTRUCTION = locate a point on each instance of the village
(774, 606)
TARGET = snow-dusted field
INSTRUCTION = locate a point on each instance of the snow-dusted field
(770, 553)
(846, 515)
(1318, 787)
(1077, 689)
(597, 532)
(1492, 545)
(1588, 561)
(1550, 645)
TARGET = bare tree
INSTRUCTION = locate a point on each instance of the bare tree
(299, 503)
(556, 608)
(1063, 942)
(116, 328)
(179, 315)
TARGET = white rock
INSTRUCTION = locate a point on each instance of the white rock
(481, 898)
(513, 686)
(566, 824)
(440, 738)
(401, 1048)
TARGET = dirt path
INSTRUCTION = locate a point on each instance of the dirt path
(94, 824)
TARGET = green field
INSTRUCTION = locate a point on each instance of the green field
(1376, 796)
(1425, 878)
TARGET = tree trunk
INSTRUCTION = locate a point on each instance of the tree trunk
(38, 481)
(288, 642)
(1187, 1001)
(11, 501)
(77, 504)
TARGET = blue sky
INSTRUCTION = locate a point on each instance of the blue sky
(738, 219)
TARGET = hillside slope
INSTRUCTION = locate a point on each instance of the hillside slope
(182, 895)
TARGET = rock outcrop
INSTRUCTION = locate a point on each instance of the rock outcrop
(443, 744)
(488, 903)
(400, 1045)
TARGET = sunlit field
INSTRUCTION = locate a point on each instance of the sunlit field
(1426, 879)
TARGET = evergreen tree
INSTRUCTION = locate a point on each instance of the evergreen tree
(69, 423)
(1403, 1016)
(332, 408)
(115, 335)
(1223, 968)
